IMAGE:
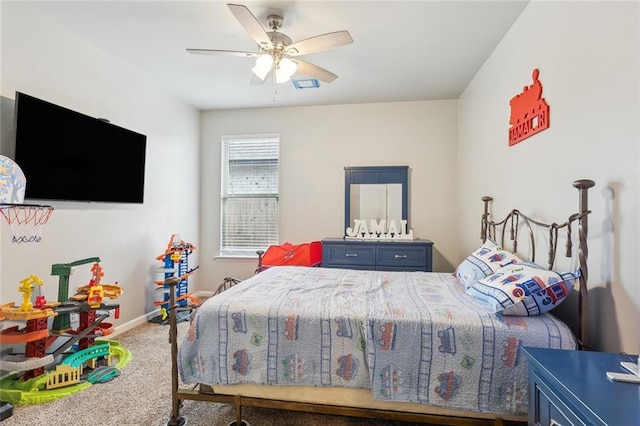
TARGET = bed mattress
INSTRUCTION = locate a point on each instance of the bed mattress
(405, 336)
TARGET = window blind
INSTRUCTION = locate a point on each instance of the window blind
(249, 193)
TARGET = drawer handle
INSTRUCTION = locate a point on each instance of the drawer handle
(400, 256)
(553, 422)
(351, 254)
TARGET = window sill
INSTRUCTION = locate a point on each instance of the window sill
(235, 257)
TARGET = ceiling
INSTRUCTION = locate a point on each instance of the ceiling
(402, 50)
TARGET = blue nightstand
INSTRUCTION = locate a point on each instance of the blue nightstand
(571, 388)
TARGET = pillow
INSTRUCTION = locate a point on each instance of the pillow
(523, 289)
(484, 262)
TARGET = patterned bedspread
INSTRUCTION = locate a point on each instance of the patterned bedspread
(407, 336)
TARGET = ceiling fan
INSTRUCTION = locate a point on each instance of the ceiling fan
(278, 54)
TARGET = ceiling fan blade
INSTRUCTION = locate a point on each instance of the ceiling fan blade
(319, 43)
(251, 24)
(314, 71)
(213, 52)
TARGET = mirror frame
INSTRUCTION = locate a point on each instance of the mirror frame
(375, 175)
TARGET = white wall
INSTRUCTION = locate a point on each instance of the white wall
(46, 61)
(316, 144)
(587, 54)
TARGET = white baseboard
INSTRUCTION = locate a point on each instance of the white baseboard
(122, 328)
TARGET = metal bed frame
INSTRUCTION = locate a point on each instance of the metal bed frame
(514, 221)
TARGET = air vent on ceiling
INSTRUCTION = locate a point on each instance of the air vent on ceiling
(310, 83)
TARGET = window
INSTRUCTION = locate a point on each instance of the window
(249, 194)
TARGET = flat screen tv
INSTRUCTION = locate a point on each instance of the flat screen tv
(66, 155)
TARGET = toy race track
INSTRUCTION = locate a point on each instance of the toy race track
(17, 392)
(13, 335)
(33, 391)
(29, 377)
(15, 363)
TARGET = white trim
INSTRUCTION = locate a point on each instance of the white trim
(235, 257)
(123, 328)
(250, 136)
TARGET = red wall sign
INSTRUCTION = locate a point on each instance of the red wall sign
(529, 112)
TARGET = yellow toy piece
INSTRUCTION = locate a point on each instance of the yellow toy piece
(96, 296)
(112, 291)
(95, 292)
(26, 288)
(10, 312)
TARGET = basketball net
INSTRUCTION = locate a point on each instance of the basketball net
(26, 221)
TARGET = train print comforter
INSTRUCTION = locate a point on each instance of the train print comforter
(407, 336)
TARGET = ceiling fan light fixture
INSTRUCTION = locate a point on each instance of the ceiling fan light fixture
(285, 69)
(263, 65)
(276, 49)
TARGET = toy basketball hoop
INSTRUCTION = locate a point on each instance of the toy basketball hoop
(26, 220)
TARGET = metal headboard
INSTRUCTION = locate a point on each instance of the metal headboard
(515, 220)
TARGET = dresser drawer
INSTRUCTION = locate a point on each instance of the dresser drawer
(401, 257)
(348, 256)
(414, 255)
(548, 408)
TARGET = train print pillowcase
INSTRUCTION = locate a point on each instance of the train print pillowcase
(523, 289)
(483, 262)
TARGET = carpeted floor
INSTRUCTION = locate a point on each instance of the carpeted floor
(141, 395)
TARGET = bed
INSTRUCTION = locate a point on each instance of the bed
(415, 346)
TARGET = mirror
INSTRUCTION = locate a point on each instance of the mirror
(377, 201)
(378, 193)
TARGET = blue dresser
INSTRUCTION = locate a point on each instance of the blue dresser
(571, 388)
(380, 255)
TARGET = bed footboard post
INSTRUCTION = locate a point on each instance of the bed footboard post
(485, 218)
(175, 419)
(238, 403)
(583, 186)
(260, 253)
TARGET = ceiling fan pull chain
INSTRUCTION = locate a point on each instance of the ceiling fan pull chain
(275, 90)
